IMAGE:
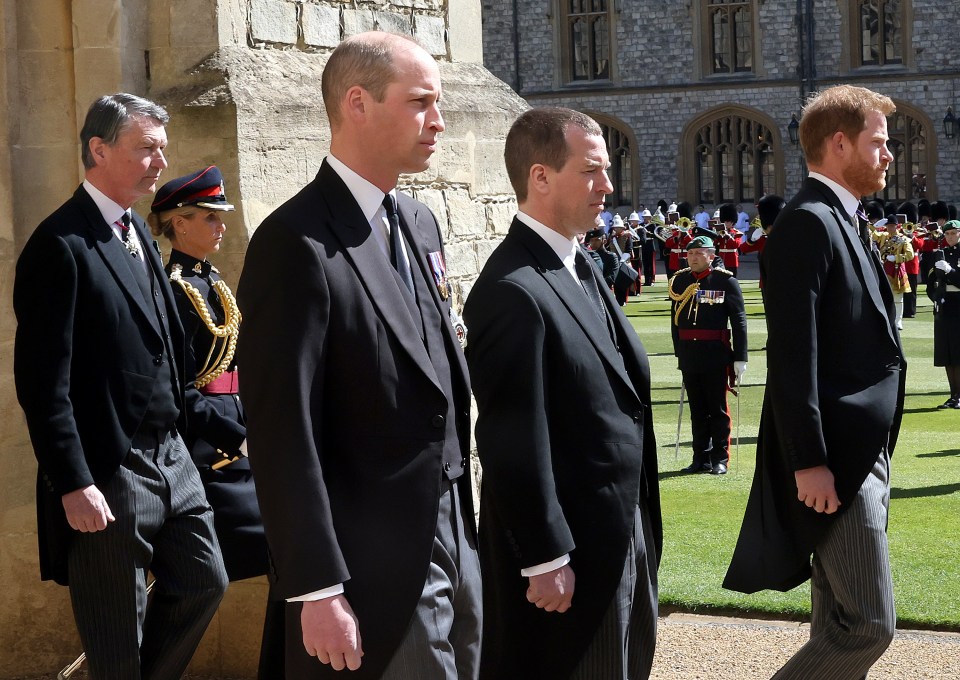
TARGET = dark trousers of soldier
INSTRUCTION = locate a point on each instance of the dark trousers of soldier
(649, 266)
(709, 416)
(910, 299)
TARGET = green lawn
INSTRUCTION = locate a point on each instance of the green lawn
(702, 513)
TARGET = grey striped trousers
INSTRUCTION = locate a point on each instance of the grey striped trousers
(164, 524)
(854, 618)
(623, 646)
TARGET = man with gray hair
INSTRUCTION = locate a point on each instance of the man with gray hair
(98, 364)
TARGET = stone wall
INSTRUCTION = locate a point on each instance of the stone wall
(241, 80)
(657, 87)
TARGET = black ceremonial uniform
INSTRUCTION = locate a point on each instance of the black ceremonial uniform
(703, 304)
(211, 321)
(943, 288)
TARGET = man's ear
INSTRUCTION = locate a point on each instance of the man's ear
(98, 149)
(354, 104)
(538, 179)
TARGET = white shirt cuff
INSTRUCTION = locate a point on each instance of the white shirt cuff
(538, 569)
(318, 594)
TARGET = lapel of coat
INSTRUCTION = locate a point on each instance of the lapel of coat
(872, 278)
(422, 231)
(374, 271)
(116, 257)
(572, 295)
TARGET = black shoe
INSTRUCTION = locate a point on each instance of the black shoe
(718, 469)
(952, 402)
(696, 468)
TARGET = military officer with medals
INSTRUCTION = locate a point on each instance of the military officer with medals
(188, 211)
(707, 310)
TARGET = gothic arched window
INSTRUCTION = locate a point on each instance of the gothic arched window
(587, 39)
(734, 160)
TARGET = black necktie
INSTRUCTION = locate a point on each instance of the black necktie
(397, 259)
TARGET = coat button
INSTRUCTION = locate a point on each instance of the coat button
(438, 421)
(157, 360)
(446, 467)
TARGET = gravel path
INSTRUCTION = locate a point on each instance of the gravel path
(692, 647)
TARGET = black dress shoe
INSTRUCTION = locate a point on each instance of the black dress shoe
(718, 469)
(950, 403)
(695, 468)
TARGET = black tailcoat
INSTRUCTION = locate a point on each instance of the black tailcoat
(566, 441)
(88, 348)
(345, 413)
(834, 396)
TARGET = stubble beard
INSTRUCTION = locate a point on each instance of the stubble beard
(863, 177)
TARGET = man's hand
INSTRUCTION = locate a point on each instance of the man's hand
(739, 368)
(816, 490)
(943, 266)
(331, 632)
(553, 591)
(87, 509)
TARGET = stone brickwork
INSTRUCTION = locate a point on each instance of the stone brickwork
(657, 88)
(241, 80)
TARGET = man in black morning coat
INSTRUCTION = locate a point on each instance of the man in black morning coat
(834, 399)
(570, 529)
(98, 363)
(356, 392)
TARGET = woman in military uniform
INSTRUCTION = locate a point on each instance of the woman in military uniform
(943, 287)
(187, 211)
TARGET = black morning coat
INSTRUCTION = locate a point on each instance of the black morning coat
(88, 348)
(343, 405)
(566, 443)
(835, 381)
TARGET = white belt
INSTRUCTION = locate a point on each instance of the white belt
(676, 250)
(728, 250)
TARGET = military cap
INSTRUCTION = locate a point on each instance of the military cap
(703, 231)
(769, 207)
(952, 224)
(700, 242)
(634, 217)
(728, 213)
(685, 209)
(203, 188)
(909, 209)
(592, 234)
(939, 211)
(617, 222)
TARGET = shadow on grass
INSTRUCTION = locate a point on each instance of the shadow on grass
(939, 454)
(930, 409)
(924, 491)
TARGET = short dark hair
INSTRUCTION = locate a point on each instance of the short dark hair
(539, 136)
(110, 115)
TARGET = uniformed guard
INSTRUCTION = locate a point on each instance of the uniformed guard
(707, 309)
(188, 211)
(895, 251)
(943, 288)
(728, 240)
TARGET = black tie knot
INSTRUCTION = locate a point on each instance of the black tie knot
(390, 205)
(125, 218)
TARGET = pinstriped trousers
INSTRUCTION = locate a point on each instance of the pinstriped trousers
(623, 646)
(854, 618)
(164, 524)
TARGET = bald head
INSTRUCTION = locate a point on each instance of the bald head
(366, 60)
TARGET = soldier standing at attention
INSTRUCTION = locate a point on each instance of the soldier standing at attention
(707, 310)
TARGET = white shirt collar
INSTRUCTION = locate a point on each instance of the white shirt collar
(566, 249)
(850, 202)
(109, 208)
(367, 196)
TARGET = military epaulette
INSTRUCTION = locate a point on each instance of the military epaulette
(675, 275)
(721, 270)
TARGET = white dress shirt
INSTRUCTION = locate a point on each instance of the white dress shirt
(112, 213)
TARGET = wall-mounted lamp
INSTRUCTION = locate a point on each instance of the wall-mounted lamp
(950, 124)
(793, 129)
